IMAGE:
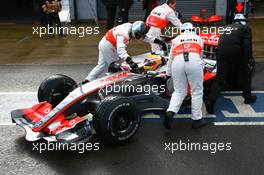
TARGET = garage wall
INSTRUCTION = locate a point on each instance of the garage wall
(192, 7)
(186, 7)
(87, 10)
(221, 7)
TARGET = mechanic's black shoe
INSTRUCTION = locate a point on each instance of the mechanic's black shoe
(209, 107)
(168, 120)
(199, 123)
(251, 99)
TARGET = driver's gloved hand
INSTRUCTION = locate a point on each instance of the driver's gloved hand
(129, 60)
(132, 65)
(161, 43)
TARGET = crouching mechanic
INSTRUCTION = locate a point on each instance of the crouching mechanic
(113, 46)
(157, 20)
(185, 65)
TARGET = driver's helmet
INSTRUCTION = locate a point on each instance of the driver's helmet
(240, 18)
(187, 28)
(139, 29)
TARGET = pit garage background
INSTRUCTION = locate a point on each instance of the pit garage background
(84, 10)
(186, 7)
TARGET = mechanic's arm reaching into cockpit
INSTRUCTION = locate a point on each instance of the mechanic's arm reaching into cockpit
(156, 41)
(169, 63)
(161, 43)
(121, 45)
(174, 20)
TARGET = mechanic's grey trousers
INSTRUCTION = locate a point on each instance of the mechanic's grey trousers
(182, 73)
(107, 55)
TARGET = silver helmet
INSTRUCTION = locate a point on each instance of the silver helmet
(139, 29)
(240, 18)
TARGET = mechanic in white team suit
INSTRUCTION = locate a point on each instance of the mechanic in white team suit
(185, 66)
(113, 47)
(157, 20)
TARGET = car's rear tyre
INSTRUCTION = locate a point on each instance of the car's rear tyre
(55, 88)
(116, 119)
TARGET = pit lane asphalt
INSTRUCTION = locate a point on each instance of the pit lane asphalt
(145, 154)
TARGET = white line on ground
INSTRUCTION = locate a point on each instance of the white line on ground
(238, 123)
(23, 39)
(238, 92)
(26, 99)
(215, 123)
(18, 93)
(7, 124)
(10, 101)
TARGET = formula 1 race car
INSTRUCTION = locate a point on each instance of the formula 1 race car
(110, 106)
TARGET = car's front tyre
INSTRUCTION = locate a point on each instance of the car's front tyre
(55, 88)
(117, 119)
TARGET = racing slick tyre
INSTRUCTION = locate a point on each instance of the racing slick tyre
(55, 88)
(116, 119)
(207, 88)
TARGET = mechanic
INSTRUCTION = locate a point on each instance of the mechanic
(124, 6)
(235, 49)
(185, 65)
(110, 6)
(113, 46)
(42, 14)
(230, 10)
(52, 9)
(157, 20)
(149, 5)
